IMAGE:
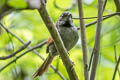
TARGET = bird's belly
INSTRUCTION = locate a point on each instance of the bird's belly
(69, 36)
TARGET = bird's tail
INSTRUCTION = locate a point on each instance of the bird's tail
(44, 67)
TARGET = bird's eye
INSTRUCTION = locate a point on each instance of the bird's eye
(62, 15)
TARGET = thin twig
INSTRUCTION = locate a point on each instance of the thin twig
(58, 41)
(116, 68)
(85, 18)
(97, 41)
(83, 40)
(115, 53)
(17, 57)
(110, 15)
(14, 53)
(104, 18)
(90, 62)
(32, 50)
(116, 56)
(97, 17)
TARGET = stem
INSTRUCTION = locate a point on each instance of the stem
(97, 40)
(116, 68)
(84, 41)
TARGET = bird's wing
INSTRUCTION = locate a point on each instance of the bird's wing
(49, 42)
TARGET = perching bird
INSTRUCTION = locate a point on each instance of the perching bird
(69, 35)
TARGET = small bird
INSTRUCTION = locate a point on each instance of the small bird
(69, 35)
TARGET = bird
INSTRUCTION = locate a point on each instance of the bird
(69, 36)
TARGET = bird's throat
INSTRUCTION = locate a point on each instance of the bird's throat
(67, 24)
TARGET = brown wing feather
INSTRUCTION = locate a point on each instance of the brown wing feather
(49, 42)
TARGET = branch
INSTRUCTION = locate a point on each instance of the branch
(68, 8)
(110, 15)
(97, 41)
(33, 50)
(91, 58)
(83, 40)
(17, 57)
(116, 68)
(104, 18)
(58, 41)
(13, 54)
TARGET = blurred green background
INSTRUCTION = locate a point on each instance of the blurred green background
(28, 25)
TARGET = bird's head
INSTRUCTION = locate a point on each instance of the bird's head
(65, 20)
